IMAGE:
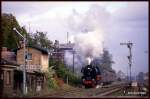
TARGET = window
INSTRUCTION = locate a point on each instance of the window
(8, 77)
(29, 57)
(2, 75)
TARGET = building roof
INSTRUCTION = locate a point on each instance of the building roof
(43, 50)
(8, 55)
(6, 62)
(32, 72)
(68, 46)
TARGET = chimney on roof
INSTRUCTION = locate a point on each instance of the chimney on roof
(56, 44)
(69, 42)
(21, 44)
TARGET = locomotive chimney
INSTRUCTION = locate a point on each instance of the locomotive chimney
(89, 60)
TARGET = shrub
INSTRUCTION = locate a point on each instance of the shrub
(52, 83)
(63, 73)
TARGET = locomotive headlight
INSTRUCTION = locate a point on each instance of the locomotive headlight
(93, 79)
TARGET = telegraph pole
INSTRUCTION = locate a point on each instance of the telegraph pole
(67, 37)
(73, 60)
(73, 53)
(129, 45)
(24, 67)
(29, 27)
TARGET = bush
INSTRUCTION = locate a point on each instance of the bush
(63, 73)
(73, 79)
(52, 83)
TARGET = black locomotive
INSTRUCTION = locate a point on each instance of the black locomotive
(91, 76)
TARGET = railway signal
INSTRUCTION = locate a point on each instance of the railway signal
(129, 45)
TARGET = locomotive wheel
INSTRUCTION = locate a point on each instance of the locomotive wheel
(93, 85)
(83, 86)
(86, 87)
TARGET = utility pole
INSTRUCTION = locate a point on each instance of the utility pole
(24, 67)
(67, 37)
(29, 27)
(67, 80)
(73, 59)
(129, 45)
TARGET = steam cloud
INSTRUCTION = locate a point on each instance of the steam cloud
(87, 47)
(88, 39)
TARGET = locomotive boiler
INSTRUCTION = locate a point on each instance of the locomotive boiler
(91, 76)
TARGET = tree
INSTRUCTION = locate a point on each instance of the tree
(106, 60)
(10, 38)
(52, 83)
(40, 39)
(121, 74)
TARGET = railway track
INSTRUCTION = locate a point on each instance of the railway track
(92, 92)
(69, 92)
(122, 91)
(108, 90)
(105, 91)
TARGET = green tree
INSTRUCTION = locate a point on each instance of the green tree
(52, 83)
(40, 39)
(10, 38)
(65, 73)
(106, 60)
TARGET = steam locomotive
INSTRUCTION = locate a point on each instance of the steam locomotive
(91, 76)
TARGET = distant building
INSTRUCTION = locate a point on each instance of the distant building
(140, 78)
(121, 75)
(146, 76)
(146, 79)
(108, 75)
(143, 78)
(59, 51)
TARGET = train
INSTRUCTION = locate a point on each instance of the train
(93, 76)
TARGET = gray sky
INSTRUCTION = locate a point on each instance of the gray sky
(119, 21)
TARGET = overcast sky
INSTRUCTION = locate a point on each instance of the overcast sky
(119, 21)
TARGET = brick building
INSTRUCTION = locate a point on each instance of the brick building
(11, 73)
(37, 63)
(8, 66)
(37, 59)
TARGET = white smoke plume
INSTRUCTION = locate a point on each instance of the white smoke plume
(87, 47)
(89, 44)
(89, 60)
(89, 38)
